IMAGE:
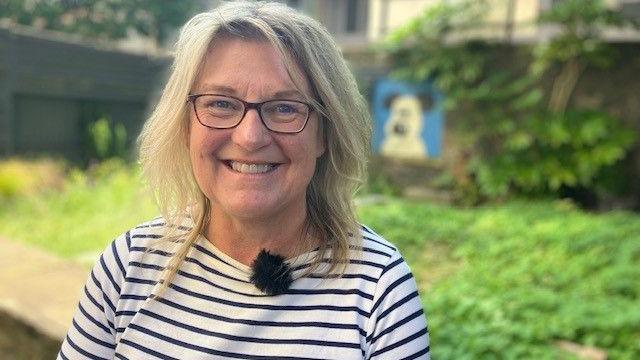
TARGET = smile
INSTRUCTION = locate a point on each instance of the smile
(250, 168)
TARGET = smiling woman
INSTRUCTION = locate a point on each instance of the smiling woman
(225, 161)
(254, 151)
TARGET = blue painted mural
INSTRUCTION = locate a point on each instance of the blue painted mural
(408, 120)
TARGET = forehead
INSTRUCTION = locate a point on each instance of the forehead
(248, 67)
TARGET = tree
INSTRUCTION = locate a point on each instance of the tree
(578, 45)
(102, 19)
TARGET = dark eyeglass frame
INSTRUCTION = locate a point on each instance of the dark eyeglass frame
(248, 106)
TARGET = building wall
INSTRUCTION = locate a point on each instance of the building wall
(386, 15)
(51, 88)
(511, 20)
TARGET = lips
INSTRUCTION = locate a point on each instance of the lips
(250, 168)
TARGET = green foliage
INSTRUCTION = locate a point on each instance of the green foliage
(19, 178)
(517, 278)
(378, 181)
(106, 141)
(379, 184)
(82, 213)
(546, 152)
(107, 19)
(120, 140)
(100, 137)
(518, 142)
(454, 66)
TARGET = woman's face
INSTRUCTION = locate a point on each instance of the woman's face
(252, 71)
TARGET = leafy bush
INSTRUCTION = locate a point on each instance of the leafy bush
(107, 140)
(549, 151)
(28, 177)
(520, 277)
(522, 137)
(378, 181)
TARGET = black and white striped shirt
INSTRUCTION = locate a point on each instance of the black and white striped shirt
(212, 311)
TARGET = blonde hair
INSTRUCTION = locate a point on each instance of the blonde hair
(343, 116)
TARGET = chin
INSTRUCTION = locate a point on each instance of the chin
(252, 210)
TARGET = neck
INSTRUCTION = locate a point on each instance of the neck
(242, 239)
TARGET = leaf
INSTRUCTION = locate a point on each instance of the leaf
(528, 100)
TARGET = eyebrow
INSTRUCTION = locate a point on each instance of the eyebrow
(227, 90)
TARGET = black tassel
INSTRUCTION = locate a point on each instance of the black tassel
(270, 273)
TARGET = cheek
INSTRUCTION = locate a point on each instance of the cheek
(203, 142)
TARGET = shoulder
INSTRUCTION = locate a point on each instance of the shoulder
(388, 257)
(374, 241)
(146, 235)
(134, 243)
(375, 256)
(396, 327)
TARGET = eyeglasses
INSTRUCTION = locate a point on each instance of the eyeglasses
(225, 112)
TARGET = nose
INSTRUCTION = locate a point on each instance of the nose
(251, 134)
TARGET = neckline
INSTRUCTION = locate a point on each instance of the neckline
(293, 262)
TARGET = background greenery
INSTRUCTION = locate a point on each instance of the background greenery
(511, 105)
(497, 281)
(68, 211)
(102, 19)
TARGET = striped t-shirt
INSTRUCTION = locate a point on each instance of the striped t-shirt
(212, 311)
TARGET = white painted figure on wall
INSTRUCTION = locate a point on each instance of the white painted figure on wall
(408, 121)
(403, 129)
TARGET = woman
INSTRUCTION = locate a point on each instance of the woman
(254, 151)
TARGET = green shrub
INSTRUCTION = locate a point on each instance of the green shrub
(523, 137)
(379, 183)
(89, 209)
(106, 140)
(20, 177)
(549, 151)
(520, 277)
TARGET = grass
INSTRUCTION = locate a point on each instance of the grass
(498, 282)
(80, 216)
(510, 281)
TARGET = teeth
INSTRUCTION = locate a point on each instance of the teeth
(251, 168)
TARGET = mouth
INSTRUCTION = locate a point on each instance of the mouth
(250, 168)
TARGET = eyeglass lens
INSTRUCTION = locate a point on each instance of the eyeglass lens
(225, 112)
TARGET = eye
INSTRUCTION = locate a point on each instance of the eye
(220, 104)
(285, 109)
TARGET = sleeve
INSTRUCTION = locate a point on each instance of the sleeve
(92, 334)
(397, 327)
